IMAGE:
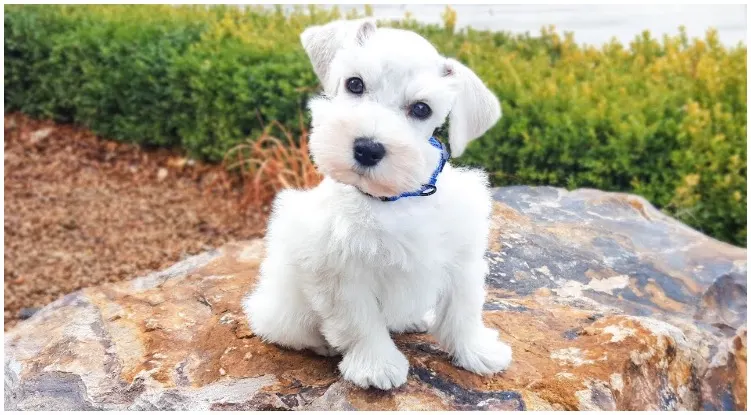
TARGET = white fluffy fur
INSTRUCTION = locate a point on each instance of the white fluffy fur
(343, 269)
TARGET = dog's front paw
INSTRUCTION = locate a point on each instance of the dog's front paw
(484, 354)
(381, 369)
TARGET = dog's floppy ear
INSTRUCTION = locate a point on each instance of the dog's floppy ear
(322, 42)
(475, 109)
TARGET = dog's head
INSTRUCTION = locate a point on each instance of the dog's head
(385, 92)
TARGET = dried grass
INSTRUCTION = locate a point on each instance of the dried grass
(270, 164)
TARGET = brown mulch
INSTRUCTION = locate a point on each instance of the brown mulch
(81, 211)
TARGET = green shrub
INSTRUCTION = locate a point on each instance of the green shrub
(665, 119)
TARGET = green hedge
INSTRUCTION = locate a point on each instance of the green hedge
(662, 118)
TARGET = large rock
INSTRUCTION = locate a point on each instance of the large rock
(607, 303)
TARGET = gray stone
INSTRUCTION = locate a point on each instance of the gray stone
(606, 302)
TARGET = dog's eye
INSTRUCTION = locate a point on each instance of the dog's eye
(355, 86)
(420, 110)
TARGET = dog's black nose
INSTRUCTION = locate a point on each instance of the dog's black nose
(368, 152)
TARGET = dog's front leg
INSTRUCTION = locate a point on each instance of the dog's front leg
(459, 327)
(352, 322)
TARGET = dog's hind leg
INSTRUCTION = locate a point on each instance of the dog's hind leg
(278, 312)
(419, 323)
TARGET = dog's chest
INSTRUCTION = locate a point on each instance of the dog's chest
(397, 242)
(408, 241)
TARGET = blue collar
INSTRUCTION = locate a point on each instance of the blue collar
(429, 188)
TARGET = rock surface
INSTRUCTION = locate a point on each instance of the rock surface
(607, 304)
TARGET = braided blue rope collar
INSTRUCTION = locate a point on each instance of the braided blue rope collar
(428, 188)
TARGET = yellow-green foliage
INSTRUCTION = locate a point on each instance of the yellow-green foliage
(662, 118)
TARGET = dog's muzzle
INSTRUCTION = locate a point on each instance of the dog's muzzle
(426, 189)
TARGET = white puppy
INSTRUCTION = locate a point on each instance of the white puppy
(351, 260)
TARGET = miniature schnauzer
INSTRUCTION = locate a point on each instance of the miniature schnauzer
(393, 239)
